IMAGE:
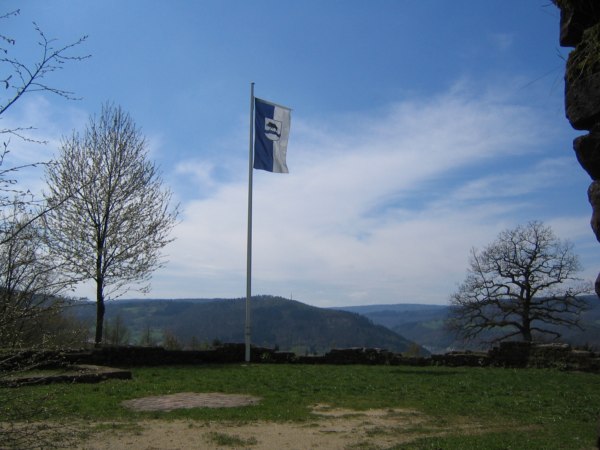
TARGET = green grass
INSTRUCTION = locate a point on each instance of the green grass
(516, 409)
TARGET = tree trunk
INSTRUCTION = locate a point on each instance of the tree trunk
(99, 312)
(526, 318)
(526, 330)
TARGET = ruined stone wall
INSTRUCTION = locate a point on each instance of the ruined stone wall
(507, 354)
(580, 28)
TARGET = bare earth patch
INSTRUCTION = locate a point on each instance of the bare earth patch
(332, 428)
(185, 400)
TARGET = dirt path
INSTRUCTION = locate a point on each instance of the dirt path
(331, 428)
(377, 428)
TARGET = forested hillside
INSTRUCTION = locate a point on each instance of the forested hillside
(293, 326)
(276, 323)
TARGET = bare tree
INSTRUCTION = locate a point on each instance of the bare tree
(522, 284)
(30, 281)
(147, 338)
(117, 217)
(116, 332)
(28, 278)
(31, 317)
(17, 78)
(29, 312)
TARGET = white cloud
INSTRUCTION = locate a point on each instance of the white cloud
(379, 207)
(44, 127)
(201, 173)
(515, 182)
(368, 213)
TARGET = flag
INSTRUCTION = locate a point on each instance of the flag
(271, 132)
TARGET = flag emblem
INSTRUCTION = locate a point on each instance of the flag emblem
(272, 129)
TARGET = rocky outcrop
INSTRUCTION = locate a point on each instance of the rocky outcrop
(575, 17)
(580, 28)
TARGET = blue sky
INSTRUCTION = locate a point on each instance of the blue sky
(420, 129)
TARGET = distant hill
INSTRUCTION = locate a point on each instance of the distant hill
(293, 326)
(419, 323)
(425, 324)
(398, 314)
(276, 322)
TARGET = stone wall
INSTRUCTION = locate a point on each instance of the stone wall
(580, 28)
(557, 356)
(508, 354)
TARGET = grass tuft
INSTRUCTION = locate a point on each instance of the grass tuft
(228, 440)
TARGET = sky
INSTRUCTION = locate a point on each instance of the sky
(420, 130)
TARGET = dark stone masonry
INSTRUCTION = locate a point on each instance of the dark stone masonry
(507, 354)
(580, 28)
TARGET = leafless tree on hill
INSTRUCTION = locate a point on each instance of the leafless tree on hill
(522, 284)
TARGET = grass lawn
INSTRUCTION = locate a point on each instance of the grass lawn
(513, 409)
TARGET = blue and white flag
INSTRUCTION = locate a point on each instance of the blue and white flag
(271, 132)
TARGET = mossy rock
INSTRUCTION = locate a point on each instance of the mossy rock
(584, 61)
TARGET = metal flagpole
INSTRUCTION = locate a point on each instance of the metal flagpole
(249, 242)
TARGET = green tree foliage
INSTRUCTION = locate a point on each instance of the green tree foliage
(116, 217)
